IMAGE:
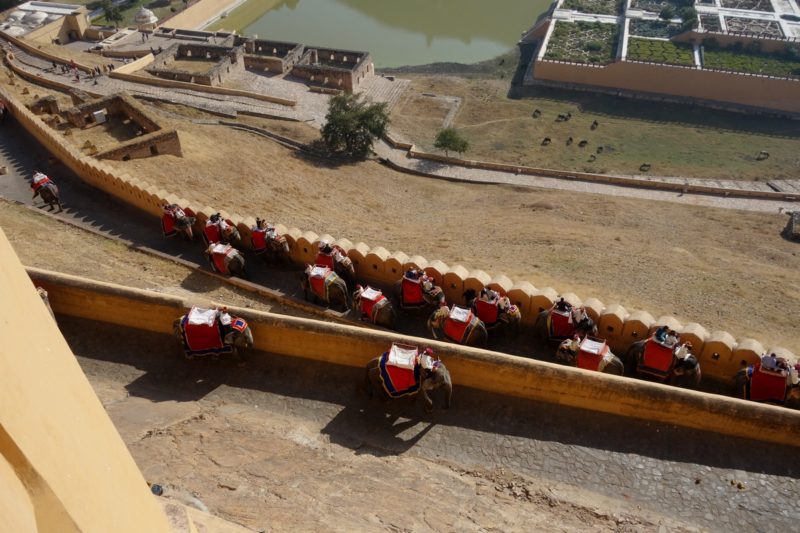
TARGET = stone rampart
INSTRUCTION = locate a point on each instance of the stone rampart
(720, 355)
(340, 69)
(469, 367)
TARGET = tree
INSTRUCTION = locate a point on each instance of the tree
(689, 18)
(449, 139)
(352, 125)
(667, 12)
(112, 13)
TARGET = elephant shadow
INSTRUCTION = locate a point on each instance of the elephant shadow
(379, 429)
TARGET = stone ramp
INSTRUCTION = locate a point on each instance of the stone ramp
(382, 89)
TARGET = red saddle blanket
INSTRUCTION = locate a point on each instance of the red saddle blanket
(324, 260)
(561, 324)
(486, 311)
(457, 323)
(318, 279)
(220, 254)
(211, 233)
(168, 224)
(767, 386)
(259, 239)
(412, 291)
(201, 333)
(657, 358)
(592, 351)
(370, 300)
(400, 370)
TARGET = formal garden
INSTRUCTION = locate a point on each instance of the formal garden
(782, 65)
(710, 22)
(599, 7)
(583, 42)
(655, 6)
(769, 28)
(665, 52)
(654, 28)
(750, 5)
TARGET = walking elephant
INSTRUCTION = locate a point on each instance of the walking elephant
(772, 380)
(562, 321)
(43, 186)
(175, 220)
(496, 312)
(204, 332)
(370, 304)
(458, 325)
(653, 360)
(589, 353)
(268, 243)
(402, 371)
(226, 259)
(322, 283)
(418, 291)
(335, 258)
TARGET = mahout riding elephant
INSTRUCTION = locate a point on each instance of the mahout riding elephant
(496, 312)
(335, 257)
(268, 243)
(772, 380)
(458, 325)
(562, 321)
(403, 371)
(370, 304)
(417, 291)
(590, 353)
(43, 186)
(213, 332)
(671, 364)
(226, 259)
(174, 220)
(322, 283)
(218, 229)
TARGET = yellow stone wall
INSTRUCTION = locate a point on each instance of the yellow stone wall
(63, 466)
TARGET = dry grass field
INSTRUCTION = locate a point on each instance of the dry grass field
(723, 268)
(676, 140)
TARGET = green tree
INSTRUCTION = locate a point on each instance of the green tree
(449, 139)
(667, 12)
(352, 125)
(112, 13)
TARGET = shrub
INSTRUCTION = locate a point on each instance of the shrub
(667, 12)
(594, 46)
(450, 139)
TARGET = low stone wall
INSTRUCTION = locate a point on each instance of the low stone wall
(339, 69)
(33, 50)
(469, 367)
(720, 354)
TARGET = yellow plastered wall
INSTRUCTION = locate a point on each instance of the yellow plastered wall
(610, 326)
(747, 352)
(54, 429)
(358, 255)
(437, 269)
(470, 367)
(393, 266)
(636, 328)
(520, 295)
(453, 283)
(716, 359)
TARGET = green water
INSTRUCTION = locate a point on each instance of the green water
(395, 32)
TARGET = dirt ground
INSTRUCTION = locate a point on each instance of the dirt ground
(725, 269)
(253, 448)
(106, 260)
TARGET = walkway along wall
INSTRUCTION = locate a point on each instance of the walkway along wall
(720, 359)
(63, 466)
(469, 367)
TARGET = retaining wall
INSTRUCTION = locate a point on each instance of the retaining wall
(469, 367)
(377, 265)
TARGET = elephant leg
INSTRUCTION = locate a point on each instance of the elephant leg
(428, 403)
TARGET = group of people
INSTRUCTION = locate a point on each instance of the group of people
(666, 335)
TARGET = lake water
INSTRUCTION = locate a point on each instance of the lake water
(395, 32)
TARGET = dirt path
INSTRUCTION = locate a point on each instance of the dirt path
(285, 444)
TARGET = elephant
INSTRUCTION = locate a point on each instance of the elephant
(684, 371)
(49, 193)
(430, 379)
(235, 336)
(335, 258)
(330, 288)
(180, 221)
(267, 242)
(217, 229)
(569, 350)
(581, 323)
(380, 313)
(226, 259)
(791, 387)
(443, 326)
(417, 291)
(497, 312)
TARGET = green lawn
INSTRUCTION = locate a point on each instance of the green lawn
(760, 63)
(660, 52)
(583, 42)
